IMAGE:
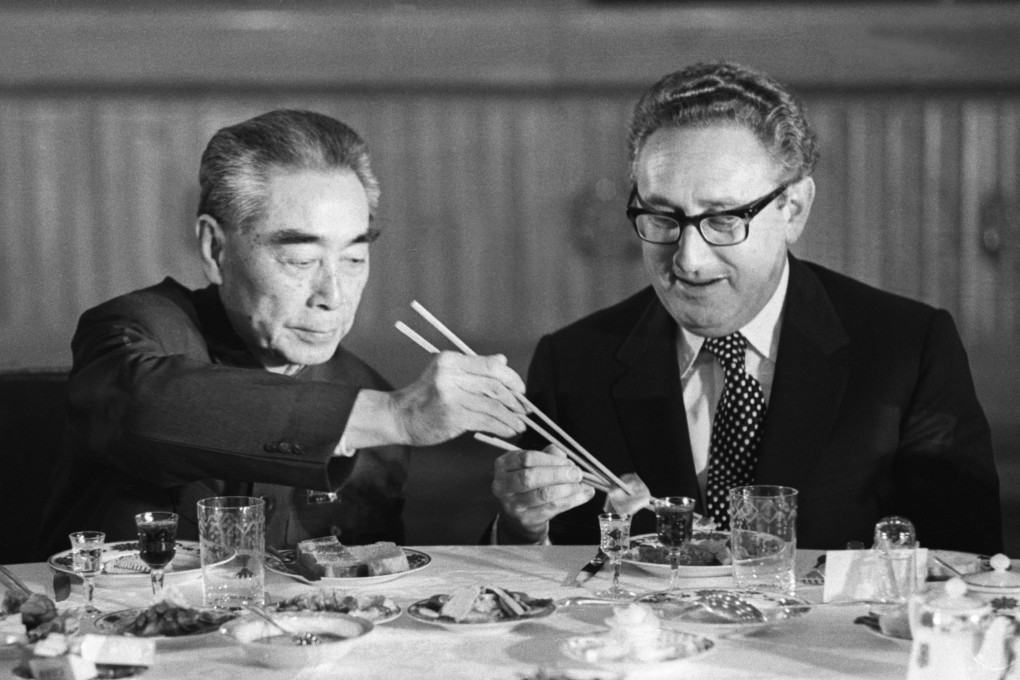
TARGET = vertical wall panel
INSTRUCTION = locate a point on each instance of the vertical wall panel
(502, 212)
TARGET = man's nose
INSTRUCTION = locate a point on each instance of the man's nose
(692, 251)
(326, 289)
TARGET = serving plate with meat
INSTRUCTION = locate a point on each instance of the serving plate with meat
(707, 554)
(167, 623)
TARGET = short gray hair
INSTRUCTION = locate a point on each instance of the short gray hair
(239, 159)
(722, 92)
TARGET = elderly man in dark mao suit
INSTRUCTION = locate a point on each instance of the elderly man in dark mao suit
(242, 388)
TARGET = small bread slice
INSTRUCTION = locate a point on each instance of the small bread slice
(380, 558)
(461, 603)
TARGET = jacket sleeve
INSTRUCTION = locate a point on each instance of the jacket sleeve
(945, 470)
(145, 398)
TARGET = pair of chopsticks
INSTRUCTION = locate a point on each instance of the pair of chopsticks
(594, 472)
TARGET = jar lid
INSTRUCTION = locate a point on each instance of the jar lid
(955, 601)
(996, 580)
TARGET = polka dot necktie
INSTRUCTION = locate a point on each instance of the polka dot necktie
(736, 429)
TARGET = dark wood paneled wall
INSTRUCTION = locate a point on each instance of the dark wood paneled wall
(498, 136)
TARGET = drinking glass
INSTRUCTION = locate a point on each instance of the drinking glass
(763, 537)
(615, 529)
(86, 560)
(674, 521)
(896, 548)
(232, 541)
(157, 544)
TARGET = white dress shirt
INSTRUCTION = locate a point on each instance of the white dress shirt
(702, 377)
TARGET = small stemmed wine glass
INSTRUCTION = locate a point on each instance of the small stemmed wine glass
(157, 539)
(674, 520)
(87, 562)
(615, 540)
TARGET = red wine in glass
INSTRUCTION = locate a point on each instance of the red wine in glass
(674, 521)
(157, 541)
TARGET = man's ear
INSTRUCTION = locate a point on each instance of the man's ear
(210, 241)
(799, 197)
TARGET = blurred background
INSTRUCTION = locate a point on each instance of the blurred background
(497, 130)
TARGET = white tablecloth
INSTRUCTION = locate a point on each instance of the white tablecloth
(823, 644)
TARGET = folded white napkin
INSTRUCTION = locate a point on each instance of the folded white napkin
(865, 575)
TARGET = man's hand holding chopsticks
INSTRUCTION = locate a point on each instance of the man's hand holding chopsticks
(455, 394)
(532, 487)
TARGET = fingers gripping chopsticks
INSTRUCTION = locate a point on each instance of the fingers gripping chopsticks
(595, 473)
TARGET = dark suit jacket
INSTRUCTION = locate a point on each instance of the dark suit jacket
(168, 406)
(872, 413)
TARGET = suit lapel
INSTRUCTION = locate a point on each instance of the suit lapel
(649, 405)
(810, 380)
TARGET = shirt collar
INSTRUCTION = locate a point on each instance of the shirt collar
(761, 332)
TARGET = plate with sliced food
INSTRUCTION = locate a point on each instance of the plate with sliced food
(169, 624)
(121, 561)
(375, 608)
(707, 554)
(480, 607)
(326, 562)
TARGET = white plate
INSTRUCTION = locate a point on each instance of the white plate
(384, 612)
(121, 561)
(115, 623)
(608, 651)
(670, 607)
(682, 570)
(415, 612)
(279, 564)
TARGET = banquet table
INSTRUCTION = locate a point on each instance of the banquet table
(824, 643)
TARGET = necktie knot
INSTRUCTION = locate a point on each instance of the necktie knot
(729, 350)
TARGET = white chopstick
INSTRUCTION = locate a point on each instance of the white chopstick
(420, 341)
(14, 579)
(590, 462)
(591, 479)
(429, 347)
(495, 441)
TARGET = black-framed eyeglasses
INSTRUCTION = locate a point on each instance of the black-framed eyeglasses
(724, 228)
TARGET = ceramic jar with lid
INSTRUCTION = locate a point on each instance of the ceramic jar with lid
(948, 627)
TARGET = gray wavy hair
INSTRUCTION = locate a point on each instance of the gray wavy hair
(238, 160)
(723, 92)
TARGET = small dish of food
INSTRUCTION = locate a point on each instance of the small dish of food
(335, 635)
(635, 637)
(707, 554)
(375, 608)
(168, 623)
(326, 562)
(480, 606)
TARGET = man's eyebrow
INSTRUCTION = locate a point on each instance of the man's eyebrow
(286, 237)
(370, 235)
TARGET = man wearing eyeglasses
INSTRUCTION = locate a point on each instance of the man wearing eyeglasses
(743, 364)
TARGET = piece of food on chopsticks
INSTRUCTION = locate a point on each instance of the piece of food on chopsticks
(327, 558)
(172, 620)
(482, 604)
(370, 607)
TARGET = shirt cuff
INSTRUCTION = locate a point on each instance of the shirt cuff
(342, 450)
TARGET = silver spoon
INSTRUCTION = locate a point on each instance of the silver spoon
(300, 639)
